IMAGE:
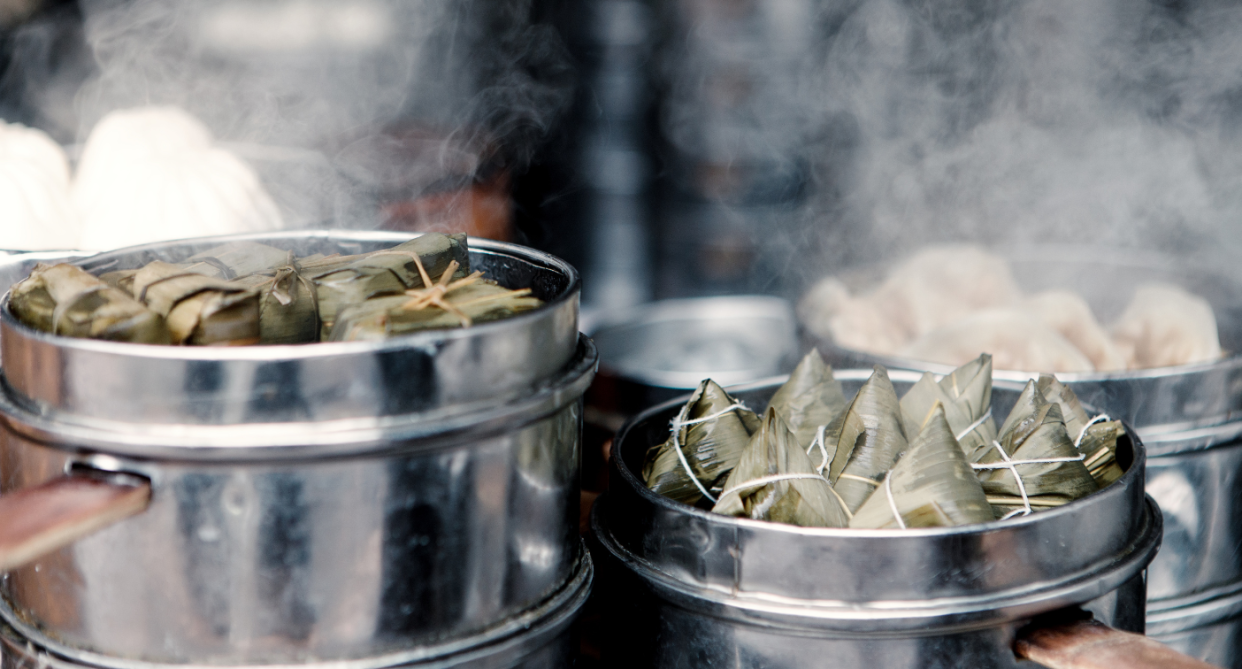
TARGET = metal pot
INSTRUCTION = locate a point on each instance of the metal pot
(1188, 416)
(661, 350)
(452, 371)
(732, 590)
(1209, 628)
(540, 638)
(306, 503)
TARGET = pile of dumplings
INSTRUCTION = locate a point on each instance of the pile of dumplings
(934, 458)
(947, 303)
(147, 174)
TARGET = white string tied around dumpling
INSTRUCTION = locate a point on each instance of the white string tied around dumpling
(1102, 418)
(819, 441)
(772, 478)
(1012, 466)
(975, 425)
(892, 503)
(776, 478)
(680, 422)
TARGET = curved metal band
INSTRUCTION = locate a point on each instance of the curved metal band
(885, 618)
(323, 439)
(513, 638)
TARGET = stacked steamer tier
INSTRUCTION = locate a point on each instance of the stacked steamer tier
(1188, 419)
(405, 502)
(691, 588)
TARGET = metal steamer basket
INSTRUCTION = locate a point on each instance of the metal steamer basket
(704, 589)
(1189, 417)
(539, 638)
(326, 502)
(1207, 627)
(661, 350)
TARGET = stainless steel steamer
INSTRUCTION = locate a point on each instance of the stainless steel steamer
(310, 503)
(540, 638)
(723, 590)
(1208, 627)
(1189, 417)
(661, 350)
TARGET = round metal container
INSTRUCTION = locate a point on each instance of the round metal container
(1209, 629)
(450, 371)
(779, 595)
(661, 350)
(540, 638)
(1200, 496)
(1189, 417)
(309, 503)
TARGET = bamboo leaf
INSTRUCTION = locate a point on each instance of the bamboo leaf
(809, 399)
(965, 394)
(1034, 431)
(65, 299)
(805, 499)
(199, 309)
(1072, 413)
(381, 317)
(711, 447)
(869, 439)
(932, 485)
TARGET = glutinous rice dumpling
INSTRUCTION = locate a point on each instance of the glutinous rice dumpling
(933, 458)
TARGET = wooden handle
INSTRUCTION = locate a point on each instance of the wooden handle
(36, 521)
(1087, 644)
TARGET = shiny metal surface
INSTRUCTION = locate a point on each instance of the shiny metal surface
(540, 638)
(450, 371)
(1200, 495)
(646, 630)
(430, 532)
(943, 576)
(658, 351)
(675, 344)
(776, 595)
(331, 438)
(1209, 629)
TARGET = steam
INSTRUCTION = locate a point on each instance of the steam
(289, 84)
(1059, 121)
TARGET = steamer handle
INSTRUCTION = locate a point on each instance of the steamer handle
(40, 519)
(1089, 644)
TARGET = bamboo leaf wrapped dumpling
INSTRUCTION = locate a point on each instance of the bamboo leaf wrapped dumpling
(710, 432)
(1095, 438)
(343, 281)
(1049, 467)
(966, 396)
(932, 485)
(1072, 413)
(432, 249)
(65, 299)
(199, 309)
(241, 259)
(447, 304)
(775, 480)
(288, 307)
(869, 437)
(811, 398)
